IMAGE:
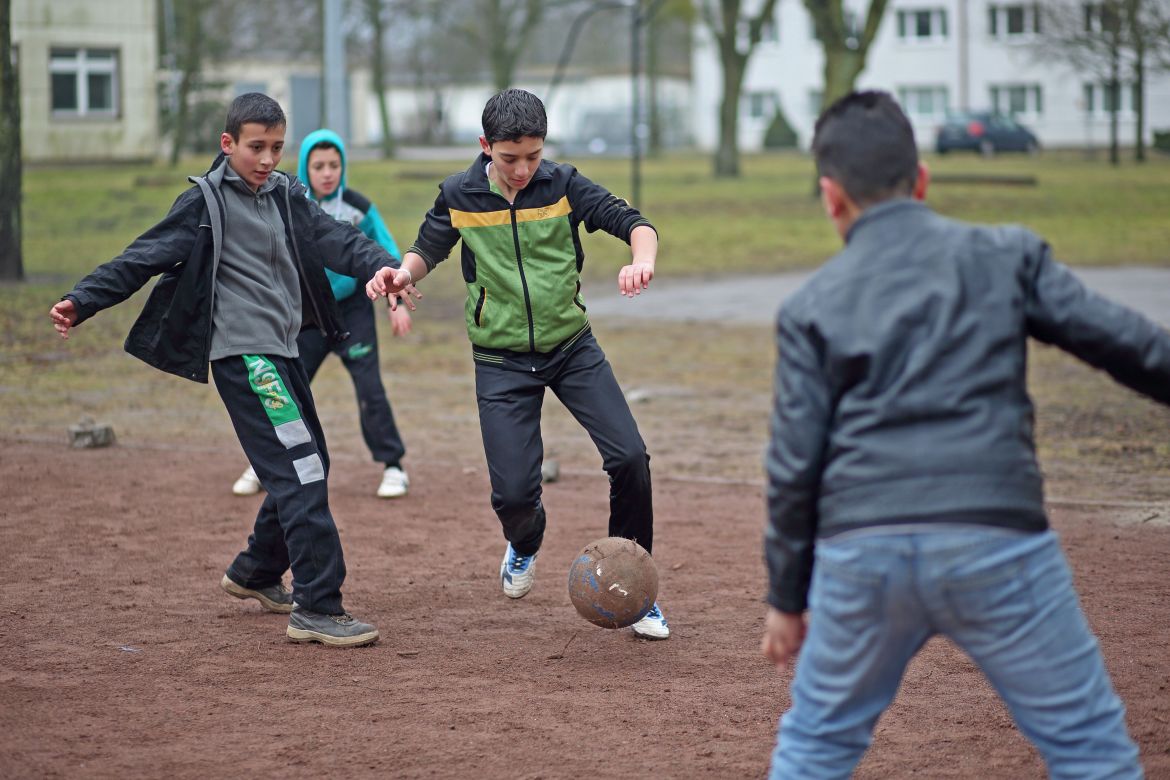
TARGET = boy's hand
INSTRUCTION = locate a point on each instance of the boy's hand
(399, 320)
(63, 314)
(391, 282)
(783, 635)
(635, 277)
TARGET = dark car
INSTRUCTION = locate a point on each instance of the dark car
(985, 133)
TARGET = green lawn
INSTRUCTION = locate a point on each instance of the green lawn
(79, 217)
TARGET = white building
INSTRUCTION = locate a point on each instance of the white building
(87, 79)
(935, 56)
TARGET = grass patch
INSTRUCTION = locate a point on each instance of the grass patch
(1093, 436)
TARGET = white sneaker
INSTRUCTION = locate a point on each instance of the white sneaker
(517, 573)
(395, 483)
(248, 484)
(653, 625)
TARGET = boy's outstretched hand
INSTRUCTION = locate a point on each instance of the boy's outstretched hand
(399, 320)
(63, 314)
(393, 283)
(783, 636)
(634, 278)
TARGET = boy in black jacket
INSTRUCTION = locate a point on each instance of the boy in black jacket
(904, 496)
(242, 261)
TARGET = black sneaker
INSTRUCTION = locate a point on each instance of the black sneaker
(274, 598)
(342, 630)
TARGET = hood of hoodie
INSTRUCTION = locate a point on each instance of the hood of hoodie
(311, 140)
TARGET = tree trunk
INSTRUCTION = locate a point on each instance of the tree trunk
(1114, 104)
(11, 258)
(654, 121)
(842, 67)
(374, 13)
(1138, 43)
(190, 61)
(727, 154)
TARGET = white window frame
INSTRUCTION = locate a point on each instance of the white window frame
(1033, 99)
(81, 66)
(765, 100)
(906, 21)
(1031, 14)
(1094, 105)
(910, 97)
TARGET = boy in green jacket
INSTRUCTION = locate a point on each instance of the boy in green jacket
(518, 218)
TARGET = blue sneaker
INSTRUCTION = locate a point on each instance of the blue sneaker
(652, 625)
(517, 573)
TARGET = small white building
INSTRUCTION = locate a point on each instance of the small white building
(88, 74)
(935, 56)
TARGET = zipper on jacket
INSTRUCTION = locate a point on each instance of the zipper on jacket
(576, 295)
(523, 280)
(479, 306)
(292, 240)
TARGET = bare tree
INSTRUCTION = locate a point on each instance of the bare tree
(737, 35)
(502, 29)
(664, 18)
(188, 60)
(374, 10)
(1092, 39)
(11, 258)
(846, 47)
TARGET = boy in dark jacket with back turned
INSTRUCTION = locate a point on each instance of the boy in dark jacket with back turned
(904, 496)
(242, 256)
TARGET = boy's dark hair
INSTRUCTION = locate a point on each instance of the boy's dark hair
(253, 107)
(323, 145)
(865, 143)
(513, 114)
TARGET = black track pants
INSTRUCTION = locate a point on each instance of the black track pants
(510, 390)
(271, 408)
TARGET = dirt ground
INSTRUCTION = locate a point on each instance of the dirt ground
(122, 658)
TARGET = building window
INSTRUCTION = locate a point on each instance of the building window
(1013, 22)
(924, 102)
(84, 82)
(1101, 17)
(1015, 99)
(923, 25)
(760, 105)
(815, 99)
(1100, 99)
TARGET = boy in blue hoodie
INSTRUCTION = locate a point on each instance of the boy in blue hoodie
(321, 167)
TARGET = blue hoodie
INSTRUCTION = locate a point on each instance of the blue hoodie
(346, 205)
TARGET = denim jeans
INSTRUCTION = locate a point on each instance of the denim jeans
(1004, 597)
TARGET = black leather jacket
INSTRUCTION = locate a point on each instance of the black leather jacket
(173, 332)
(900, 393)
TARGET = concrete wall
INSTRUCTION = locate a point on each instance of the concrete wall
(126, 26)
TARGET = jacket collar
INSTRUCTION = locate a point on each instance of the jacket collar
(888, 209)
(475, 178)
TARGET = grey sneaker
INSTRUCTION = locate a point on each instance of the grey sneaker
(342, 630)
(274, 598)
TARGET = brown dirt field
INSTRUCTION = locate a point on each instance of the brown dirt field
(122, 658)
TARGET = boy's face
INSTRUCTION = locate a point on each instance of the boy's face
(515, 161)
(257, 152)
(324, 171)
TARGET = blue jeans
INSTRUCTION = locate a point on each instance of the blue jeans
(1005, 598)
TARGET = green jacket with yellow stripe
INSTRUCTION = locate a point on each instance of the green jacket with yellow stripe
(522, 261)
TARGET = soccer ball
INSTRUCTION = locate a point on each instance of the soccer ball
(613, 582)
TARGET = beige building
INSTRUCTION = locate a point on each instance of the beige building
(87, 79)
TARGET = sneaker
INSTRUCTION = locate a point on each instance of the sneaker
(342, 630)
(652, 625)
(248, 484)
(517, 573)
(274, 598)
(395, 483)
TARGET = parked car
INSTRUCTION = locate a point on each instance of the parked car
(985, 133)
